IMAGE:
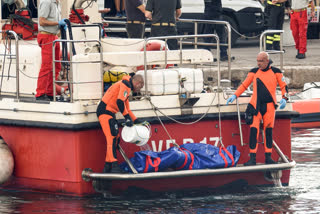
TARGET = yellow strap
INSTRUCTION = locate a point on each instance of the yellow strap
(270, 2)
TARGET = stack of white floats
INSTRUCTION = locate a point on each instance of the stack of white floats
(168, 81)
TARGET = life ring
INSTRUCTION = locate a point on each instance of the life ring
(154, 46)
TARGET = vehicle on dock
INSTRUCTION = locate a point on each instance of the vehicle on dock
(59, 147)
(246, 17)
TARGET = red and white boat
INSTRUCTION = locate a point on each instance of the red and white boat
(307, 103)
(59, 147)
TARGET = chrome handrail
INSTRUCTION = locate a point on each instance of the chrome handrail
(16, 38)
(71, 62)
(196, 43)
(201, 21)
(263, 44)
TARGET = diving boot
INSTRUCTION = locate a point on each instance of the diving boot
(112, 167)
(269, 159)
(252, 160)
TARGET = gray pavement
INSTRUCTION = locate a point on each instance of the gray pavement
(246, 51)
(299, 71)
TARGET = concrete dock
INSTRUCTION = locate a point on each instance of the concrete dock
(298, 71)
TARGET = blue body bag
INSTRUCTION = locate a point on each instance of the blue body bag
(188, 156)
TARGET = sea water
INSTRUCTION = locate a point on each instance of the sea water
(301, 196)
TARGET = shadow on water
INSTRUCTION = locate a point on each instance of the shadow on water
(301, 196)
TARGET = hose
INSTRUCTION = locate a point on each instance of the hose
(76, 12)
(65, 64)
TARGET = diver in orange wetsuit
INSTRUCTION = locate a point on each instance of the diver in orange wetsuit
(263, 103)
(114, 100)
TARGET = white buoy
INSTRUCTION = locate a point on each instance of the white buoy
(6, 162)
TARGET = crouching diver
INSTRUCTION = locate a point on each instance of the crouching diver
(263, 103)
(114, 100)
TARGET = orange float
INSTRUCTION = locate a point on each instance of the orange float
(154, 46)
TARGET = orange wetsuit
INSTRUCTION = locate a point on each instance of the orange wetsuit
(263, 102)
(114, 100)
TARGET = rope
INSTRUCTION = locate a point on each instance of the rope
(315, 86)
(76, 12)
(34, 4)
(89, 4)
(220, 134)
(11, 10)
(244, 36)
(165, 129)
(184, 123)
(155, 109)
(122, 45)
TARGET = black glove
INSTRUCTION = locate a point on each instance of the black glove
(138, 121)
(128, 120)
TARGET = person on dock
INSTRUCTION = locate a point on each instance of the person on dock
(262, 104)
(49, 23)
(213, 11)
(299, 24)
(163, 14)
(275, 11)
(135, 18)
(116, 99)
(120, 7)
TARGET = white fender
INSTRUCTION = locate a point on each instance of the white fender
(6, 162)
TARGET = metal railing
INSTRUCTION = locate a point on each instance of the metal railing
(16, 39)
(70, 81)
(196, 23)
(263, 44)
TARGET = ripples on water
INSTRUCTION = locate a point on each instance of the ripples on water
(302, 195)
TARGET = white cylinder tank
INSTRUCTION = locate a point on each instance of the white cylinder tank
(167, 81)
(6, 162)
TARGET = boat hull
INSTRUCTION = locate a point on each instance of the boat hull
(52, 160)
(309, 113)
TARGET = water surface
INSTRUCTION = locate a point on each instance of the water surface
(301, 196)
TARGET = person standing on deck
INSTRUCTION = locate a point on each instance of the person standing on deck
(135, 18)
(299, 24)
(164, 14)
(49, 23)
(114, 100)
(120, 5)
(262, 104)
